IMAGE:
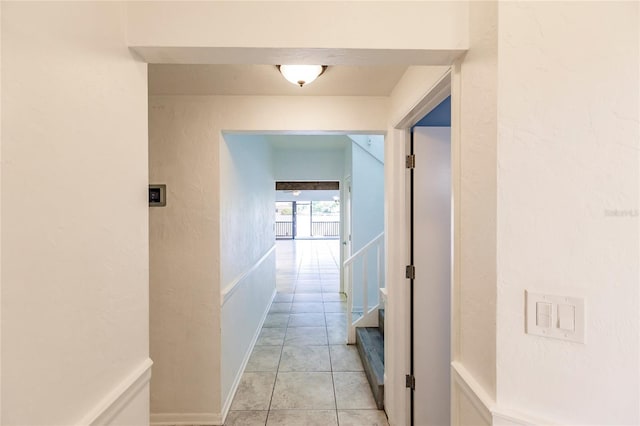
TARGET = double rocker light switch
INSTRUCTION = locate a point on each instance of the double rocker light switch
(543, 314)
(559, 317)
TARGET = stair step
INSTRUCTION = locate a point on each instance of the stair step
(381, 321)
(370, 344)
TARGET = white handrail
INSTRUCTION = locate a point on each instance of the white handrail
(363, 249)
(348, 267)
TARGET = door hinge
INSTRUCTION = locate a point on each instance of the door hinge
(410, 272)
(410, 381)
(411, 161)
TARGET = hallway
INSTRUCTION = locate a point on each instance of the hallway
(301, 372)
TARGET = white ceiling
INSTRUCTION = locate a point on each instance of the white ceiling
(265, 80)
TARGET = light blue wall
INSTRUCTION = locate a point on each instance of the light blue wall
(373, 144)
(367, 215)
(247, 198)
(309, 164)
(367, 197)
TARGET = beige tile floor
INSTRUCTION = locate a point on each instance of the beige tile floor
(301, 372)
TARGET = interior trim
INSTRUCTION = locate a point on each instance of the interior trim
(486, 405)
(204, 419)
(476, 394)
(438, 93)
(113, 403)
(228, 291)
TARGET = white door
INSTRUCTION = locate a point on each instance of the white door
(432, 286)
(346, 227)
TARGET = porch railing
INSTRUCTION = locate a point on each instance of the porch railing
(325, 229)
(284, 230)
(363, 278)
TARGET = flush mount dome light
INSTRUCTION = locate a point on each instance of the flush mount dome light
(301, 74)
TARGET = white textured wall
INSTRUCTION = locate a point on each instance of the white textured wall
(184, 261)
(186, 236)
(475, 298)
(74, 212)
(339, 24)
(568, 145)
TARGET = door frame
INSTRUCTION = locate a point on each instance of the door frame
(398, 239)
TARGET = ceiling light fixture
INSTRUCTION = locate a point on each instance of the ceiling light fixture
(301, 74)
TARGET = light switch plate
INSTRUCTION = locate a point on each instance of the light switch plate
(157, 195)
(567, 316)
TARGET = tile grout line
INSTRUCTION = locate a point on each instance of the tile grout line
(307, 272)
(333, 382)
(273, 390)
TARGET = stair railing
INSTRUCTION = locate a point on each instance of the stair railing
(357, 279)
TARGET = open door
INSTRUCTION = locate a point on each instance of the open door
(431, 286)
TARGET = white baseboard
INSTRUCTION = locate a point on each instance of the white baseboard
(236, 382)
(204, 419)
(502, 419)
(506, 417)
(116, 400)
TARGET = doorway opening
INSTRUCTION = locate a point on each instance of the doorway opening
(303, 213)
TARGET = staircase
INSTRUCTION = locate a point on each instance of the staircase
(365, 313)
(370, 344)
